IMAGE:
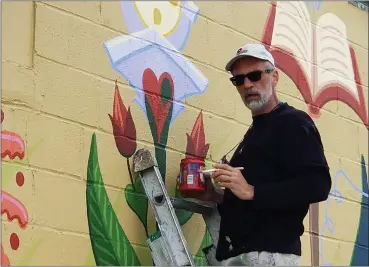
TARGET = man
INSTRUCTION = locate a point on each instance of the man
(285, 170)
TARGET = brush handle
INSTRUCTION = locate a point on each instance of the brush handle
(213, 170)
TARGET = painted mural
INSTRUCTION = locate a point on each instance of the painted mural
(323, 66)
(316, 46)
(12, 146)
(150, 60)
(318, 59)
(360, 252)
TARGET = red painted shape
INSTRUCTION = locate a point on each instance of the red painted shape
(4, 258)
(19, 178)
(159, 106)
(196, 141)
(286, 62)
(124, 129)
(2, 115)
(12, 145)
(14, 209)
(14, 241)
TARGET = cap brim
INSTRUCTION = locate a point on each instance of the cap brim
(233, 60)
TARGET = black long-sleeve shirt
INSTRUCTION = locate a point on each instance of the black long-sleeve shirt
(283, 158)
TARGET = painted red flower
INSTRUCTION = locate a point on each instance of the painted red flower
(124, 129)
(196, 146)
(159, 95)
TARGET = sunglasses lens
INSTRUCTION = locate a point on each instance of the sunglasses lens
(239, 79)
(254, 76)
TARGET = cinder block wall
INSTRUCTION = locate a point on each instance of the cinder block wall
(59, 68)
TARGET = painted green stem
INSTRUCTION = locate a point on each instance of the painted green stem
(130, 174)
(161, 157)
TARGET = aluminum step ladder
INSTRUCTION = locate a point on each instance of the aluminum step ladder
(168, 246)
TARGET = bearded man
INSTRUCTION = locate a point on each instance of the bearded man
(263, 206)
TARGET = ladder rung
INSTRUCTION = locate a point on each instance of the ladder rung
(188, 205)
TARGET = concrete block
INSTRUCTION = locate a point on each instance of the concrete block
(363, 143)
(75, 248)
(18, 32)
(86, 98)
(68, 40)
(306, 250)
(213, 44)
(213, 100)
(347, 112)
(87, 9)
(340, 215)
(61, 147)
(53, 208)
(339, 136)
(18, 85)
(335, 251)
(239, 16)
(37, 246)
(112, 16)
(349, 181)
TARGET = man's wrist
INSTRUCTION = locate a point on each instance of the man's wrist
(248, 193)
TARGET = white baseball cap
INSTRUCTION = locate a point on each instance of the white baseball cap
(251, 50)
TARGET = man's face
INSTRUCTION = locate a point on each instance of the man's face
(255, 94)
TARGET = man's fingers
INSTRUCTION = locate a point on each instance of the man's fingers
(226, 185)
(223, 178)
(222, 166)
(221, 172)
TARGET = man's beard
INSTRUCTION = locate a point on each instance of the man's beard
(256, 104)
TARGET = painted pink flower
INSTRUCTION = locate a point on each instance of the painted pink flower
(124, 129)
(14, 209)
(12, 145)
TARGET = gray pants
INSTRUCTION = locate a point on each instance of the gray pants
(262, 259)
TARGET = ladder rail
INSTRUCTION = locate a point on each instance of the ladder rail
(174, 242)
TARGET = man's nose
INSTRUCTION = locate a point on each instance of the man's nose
(247, 84)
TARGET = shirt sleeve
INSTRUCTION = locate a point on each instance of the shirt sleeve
(300, 154)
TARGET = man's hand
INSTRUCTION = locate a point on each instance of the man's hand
(231, 178)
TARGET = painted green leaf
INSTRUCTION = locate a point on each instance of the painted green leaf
(109, 243)
(200, 257)
(137, 201)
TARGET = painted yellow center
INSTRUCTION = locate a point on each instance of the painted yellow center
(157, 16)
(163, 16)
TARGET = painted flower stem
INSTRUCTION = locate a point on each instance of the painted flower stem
(130, 174)
(161, 157)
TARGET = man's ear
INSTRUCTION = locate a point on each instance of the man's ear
(275, 78)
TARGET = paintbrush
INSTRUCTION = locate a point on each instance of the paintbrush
(213, 170)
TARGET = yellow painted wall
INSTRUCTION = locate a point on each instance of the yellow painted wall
(58, 86)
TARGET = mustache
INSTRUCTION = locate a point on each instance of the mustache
(252, 91)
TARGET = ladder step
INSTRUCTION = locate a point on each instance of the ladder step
(192, 206)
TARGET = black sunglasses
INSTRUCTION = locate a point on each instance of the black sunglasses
(253, 76)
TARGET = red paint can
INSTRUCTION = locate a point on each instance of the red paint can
(190, 179)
